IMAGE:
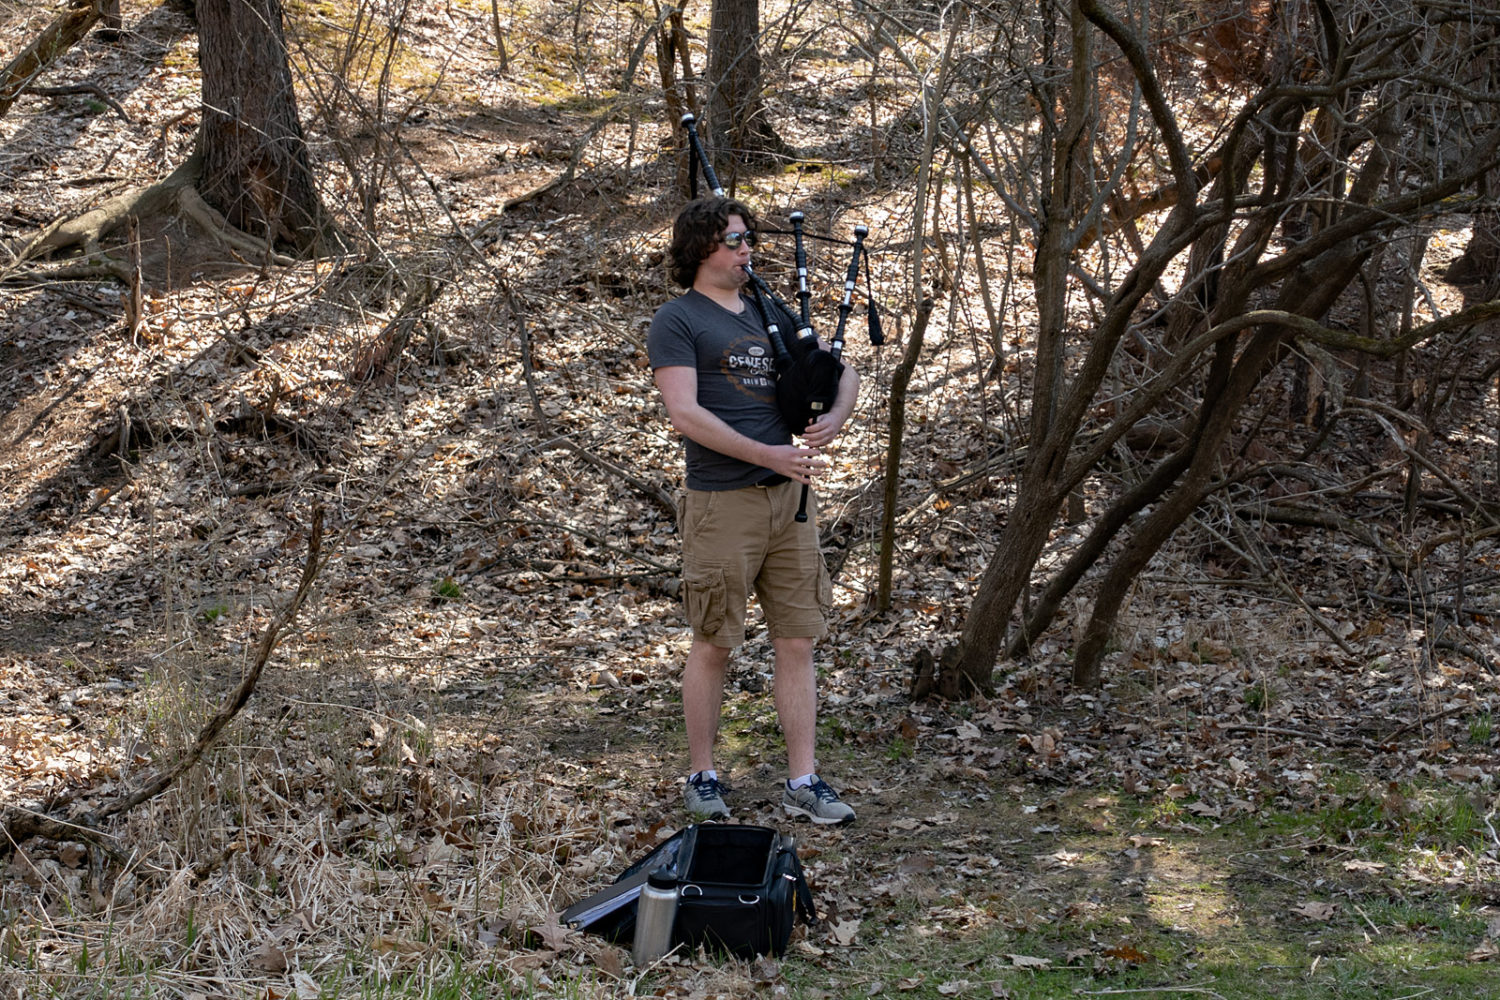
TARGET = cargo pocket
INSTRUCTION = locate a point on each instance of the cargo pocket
(704, 598)
(825, 588)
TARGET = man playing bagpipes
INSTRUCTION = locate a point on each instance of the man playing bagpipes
(714, 353)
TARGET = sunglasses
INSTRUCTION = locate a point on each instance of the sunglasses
(733, 240)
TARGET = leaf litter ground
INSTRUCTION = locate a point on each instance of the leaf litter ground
(479, 721)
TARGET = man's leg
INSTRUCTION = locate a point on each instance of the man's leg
(797, 707)
(797, 703)
(703, 700)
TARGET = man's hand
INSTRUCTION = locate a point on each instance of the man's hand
(796, 463)
(821, 432)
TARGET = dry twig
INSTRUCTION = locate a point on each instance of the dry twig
(22, 824)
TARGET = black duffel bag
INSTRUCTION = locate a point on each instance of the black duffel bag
(740, 891)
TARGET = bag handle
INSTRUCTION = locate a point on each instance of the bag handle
(803, 892)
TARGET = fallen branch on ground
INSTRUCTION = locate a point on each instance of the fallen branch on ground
(1312, 736)
(82, 88)
(58, 37)
(21, 824)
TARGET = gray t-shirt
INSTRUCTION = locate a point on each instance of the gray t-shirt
(736, 382)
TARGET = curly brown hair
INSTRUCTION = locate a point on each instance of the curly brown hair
(696, 234)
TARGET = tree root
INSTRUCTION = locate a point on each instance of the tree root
(88, 229)
(85, 232)
(195, 208)
(943, 676)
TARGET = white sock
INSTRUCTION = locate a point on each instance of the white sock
(802, 782)
(709, 775)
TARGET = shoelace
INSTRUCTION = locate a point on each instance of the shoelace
(824, 793)
(710, 787)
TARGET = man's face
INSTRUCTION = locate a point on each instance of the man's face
(725, 266)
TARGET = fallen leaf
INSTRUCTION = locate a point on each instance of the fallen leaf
(1127, 953)
(268, 958)
(610, 961)
(765, 969)
(1041, 743)
(1029, 962)
(305, 986)
(916, 864)
(1183, 651)
(554, 936)
(1314, 910)
(844, 931)
(385, 944)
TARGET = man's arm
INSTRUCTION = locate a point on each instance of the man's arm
(822, 431)
(679, 390)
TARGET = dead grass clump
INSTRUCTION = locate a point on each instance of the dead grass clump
(411, 860)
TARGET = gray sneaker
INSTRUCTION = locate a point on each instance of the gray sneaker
(705, 797)
(817, 802)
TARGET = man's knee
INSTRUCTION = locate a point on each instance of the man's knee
(793, 650)
(709, 654)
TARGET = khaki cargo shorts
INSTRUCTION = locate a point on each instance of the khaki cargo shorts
(738, 541)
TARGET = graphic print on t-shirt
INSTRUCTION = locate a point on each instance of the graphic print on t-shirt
(748, 366)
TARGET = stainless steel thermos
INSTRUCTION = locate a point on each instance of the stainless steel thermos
(655, 913)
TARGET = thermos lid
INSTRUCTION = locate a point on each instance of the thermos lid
(662, 878)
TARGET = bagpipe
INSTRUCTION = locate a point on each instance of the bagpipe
(807, 374)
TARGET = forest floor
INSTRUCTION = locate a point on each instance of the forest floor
(1285, 786)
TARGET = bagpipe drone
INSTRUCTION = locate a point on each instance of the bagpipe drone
(807, 375)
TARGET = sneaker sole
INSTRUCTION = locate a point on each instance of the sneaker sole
(705, 817)
(795, 811)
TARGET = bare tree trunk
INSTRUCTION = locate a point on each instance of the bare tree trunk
(737, 119)
(1069, 144)
(255, 164)
(500, 52)
(1147, 491)
(113, 21)
(967, 668)
(900, 379)
(1201, 353)
(681, 95)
